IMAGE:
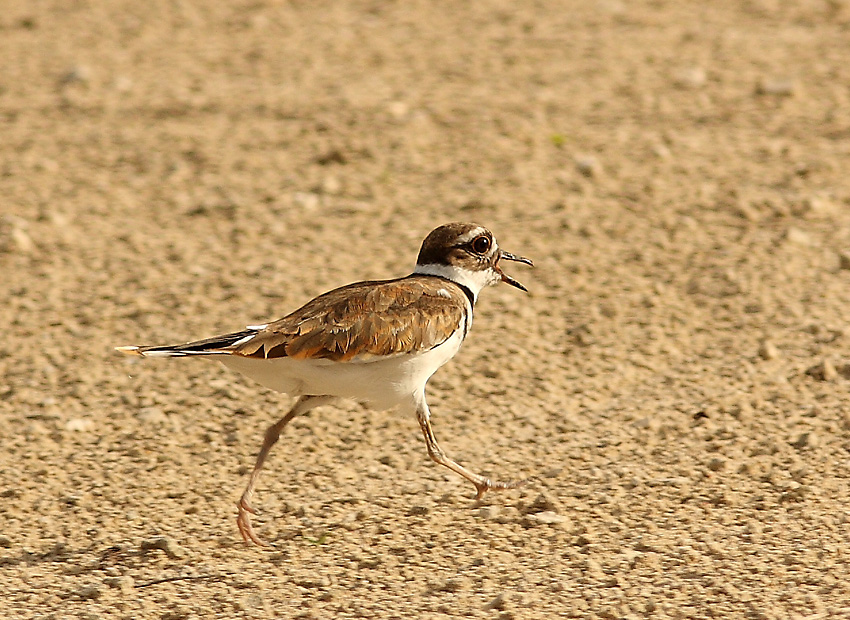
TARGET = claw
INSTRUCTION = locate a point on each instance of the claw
(243, 522)
(488, 485)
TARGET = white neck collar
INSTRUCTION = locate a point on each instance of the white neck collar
(473, 280)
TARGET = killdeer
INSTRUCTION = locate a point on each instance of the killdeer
(377, 342)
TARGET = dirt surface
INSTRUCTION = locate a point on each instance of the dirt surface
(676, 381)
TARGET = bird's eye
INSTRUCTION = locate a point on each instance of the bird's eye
(480, 245)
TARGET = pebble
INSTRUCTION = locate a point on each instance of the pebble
(331, 185)
(418, 511)
(22, 241)
(455, 584)
(308, 201)
(661, 151)
(5, 542)
(87, 593)
(542, 503)
(14, 237)
(844, 259)
(588, 165)
(800, 237)
(151, 415)
(79, 425)
(79, 74)
(817, 206)
(825, 371)
(717, 464)
(489, 512)
(497, 603)
(692, 77)
(547, 517)
(768, 350)
(399, 110)
(125, 583)
(171, 549)
(640, 423)
(776, 87)
(806, 440)
(747, 210)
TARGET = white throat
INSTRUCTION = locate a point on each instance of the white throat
(473, 280)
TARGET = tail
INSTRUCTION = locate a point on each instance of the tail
(219, 345)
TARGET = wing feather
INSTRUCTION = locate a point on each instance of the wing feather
(363, 320)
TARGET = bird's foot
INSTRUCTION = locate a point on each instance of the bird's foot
(486, 484)
(243, 521)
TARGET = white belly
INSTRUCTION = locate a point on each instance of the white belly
(380, 382)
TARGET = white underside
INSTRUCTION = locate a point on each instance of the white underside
(381, 383)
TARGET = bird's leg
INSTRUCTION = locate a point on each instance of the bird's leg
(301, 406)
(482, 484)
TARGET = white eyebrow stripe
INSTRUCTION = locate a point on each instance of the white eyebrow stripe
(466, 238)
(444, 293)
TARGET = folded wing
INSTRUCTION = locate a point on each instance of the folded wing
(362, 320)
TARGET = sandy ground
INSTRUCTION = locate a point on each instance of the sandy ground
(676, 381)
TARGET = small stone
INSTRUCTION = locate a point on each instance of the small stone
(768, 350)
(497, 603)
(455, 585)
(547, 517)
(661, 151)
(825, 371)
(717, 464)
(418, 511)
(588, 165)
(776, 87)
(399, 110)
(151, 415)
(5, 541)
(79, 425)
(171, 549)
(22, 241)
(817, 206)
(87, 593)
(800, 237)
(543, 502)
(331, 185)
(308, 201)
(745, 209)
(594, 569)
(13, 235)
(584, 540)
(691, 77)
(80, 74)
(489, 512)
(844, 259)
(125, 583)
(806, 440)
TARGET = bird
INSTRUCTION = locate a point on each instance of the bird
(376, 342)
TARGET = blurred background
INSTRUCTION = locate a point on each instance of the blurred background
(676, 380)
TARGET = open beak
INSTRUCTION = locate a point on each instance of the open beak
(505, 277)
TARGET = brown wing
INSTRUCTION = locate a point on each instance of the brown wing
(364, 319)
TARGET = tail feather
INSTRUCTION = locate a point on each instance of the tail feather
(219, 345)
